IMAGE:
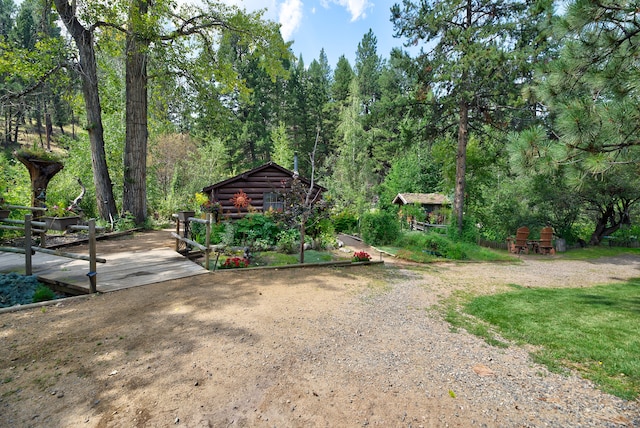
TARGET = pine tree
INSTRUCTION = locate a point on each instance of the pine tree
(468, 61)
(591, 95)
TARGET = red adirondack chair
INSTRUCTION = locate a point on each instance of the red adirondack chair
(546, 241)
(520, 244)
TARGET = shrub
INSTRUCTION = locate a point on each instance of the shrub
(42, 294)
(126, 222)
(345, 222)
(228, 235)
(261, 244)
(470, 231)
(287, 241)
(379, 228)
(434, 244)
(256, 226)
(325, 241)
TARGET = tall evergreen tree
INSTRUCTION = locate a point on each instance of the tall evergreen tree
(590, 93)
(367, 69)
(7, 8)
(342, 77)
(467, 60)
(319, 97)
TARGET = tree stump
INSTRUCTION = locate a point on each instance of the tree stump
(41, 172)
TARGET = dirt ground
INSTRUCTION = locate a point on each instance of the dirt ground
(332, 347)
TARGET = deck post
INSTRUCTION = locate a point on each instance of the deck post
(207, 241)
(27, 245)
(92, 255)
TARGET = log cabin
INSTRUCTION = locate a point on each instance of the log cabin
(261, 188)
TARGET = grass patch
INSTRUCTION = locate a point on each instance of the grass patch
(457, 318)
(429, 247)
(593, 330)
(590, 253)
(273, 258)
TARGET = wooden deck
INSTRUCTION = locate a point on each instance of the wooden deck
(122, 270)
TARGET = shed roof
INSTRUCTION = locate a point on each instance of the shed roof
(421, 198)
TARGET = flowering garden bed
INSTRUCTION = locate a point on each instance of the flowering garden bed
(273, 259)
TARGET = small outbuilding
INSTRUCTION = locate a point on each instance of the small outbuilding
(256, 190)
(432, 203)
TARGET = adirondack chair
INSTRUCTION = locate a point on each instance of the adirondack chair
(546, 238)
(520, 244)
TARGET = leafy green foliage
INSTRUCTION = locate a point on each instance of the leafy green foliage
(42, 294)
(432, 246)
(379, 228)
(415, 171)
(287, 241)
(254, 227)
(345, 222)
(125, 222)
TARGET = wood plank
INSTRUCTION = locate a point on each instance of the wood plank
(122, 270)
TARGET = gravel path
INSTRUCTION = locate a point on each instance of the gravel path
(492, 386)
(317, 347)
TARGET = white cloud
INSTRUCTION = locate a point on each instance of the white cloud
(253, 5)
(357, 8)
(289, 17)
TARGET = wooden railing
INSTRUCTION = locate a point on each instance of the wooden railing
(185, 237)
(30, 226)
(424, 227)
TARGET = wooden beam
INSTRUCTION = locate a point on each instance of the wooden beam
(69, 255)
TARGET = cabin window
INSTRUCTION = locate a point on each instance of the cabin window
(272, 201)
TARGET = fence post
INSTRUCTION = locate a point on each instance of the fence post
(178, 234)
(207, 242)
(27, 245)
(92, 257)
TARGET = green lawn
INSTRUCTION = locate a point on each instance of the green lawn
(590, 253)
(594, 330)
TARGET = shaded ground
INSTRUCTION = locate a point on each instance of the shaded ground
(353, 346)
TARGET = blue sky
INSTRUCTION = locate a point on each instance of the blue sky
(335, 25)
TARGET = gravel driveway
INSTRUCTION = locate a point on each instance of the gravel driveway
(326, 347)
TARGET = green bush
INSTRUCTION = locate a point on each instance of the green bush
(255, 227)
(379, 228)
(325, 240)
(42, 294)
(470, 230)
(126, 222)
(345, 222)
(434, 244)
(288, 241)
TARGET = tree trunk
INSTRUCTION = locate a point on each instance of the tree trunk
(461, 163)
(302, 232)
(607, 217)
(48, 126)
(41, 172)
(88, 71)
(134, 198)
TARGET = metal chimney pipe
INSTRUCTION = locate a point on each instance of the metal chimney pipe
(295, 162)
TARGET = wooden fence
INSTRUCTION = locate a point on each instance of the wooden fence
(30, 226)
(183, 235)
(425, 227)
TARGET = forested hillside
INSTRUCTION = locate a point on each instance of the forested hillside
(521, 112)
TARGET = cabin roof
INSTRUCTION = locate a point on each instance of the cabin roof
(421, 198)
(255, 171)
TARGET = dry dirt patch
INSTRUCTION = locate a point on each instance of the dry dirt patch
(315, 347)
